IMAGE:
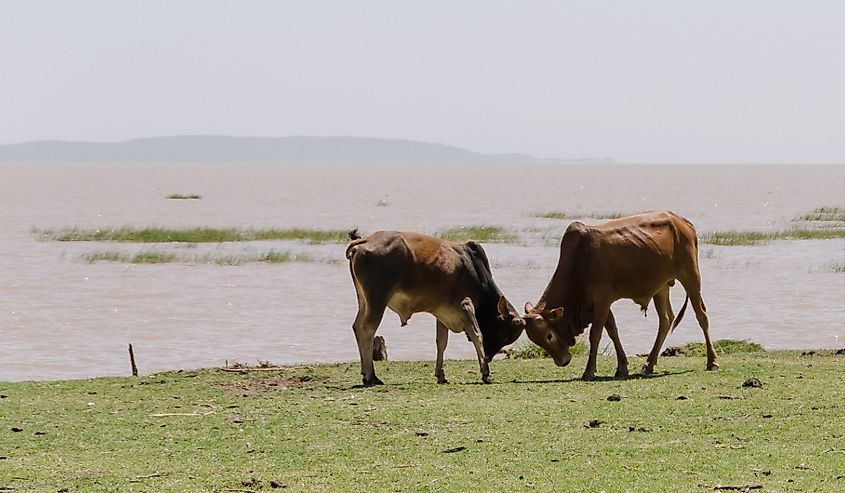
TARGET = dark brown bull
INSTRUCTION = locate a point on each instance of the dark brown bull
(636, 257)
(411, 273)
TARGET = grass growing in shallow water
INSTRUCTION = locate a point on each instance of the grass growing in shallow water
(744, 238)
(484, 234)
(177, 196)
(810, 230)
(160, 257)
(580, 215)
(825, 214)
(537, 428)
(192, 235)
(145, 257)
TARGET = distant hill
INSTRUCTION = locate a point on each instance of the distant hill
(303, 150)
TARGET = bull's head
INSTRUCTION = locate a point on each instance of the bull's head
(545, 329)
(507, 327)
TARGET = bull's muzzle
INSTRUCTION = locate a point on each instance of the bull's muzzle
(562, 361)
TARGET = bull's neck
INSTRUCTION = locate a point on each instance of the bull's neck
(555, 294)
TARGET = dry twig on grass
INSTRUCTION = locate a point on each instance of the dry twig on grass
(744, 487)
(138, 479)
(163, 415)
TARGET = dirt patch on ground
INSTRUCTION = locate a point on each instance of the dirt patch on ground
(254, 384)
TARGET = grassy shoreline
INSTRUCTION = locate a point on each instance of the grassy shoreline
(309, 428)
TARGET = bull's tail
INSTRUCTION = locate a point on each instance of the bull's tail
(680, 315)
(355, 240)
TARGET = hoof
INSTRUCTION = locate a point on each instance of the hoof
(442, 380)
(373, 381)
(647, 370)
(621, 373)
(486, 379)
(588, 377)
(712, 366)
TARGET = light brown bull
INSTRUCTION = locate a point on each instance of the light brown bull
(637, 257)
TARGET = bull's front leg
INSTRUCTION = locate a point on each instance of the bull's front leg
(621, 359)
(442, 339)
(473, 331)
(599, 319)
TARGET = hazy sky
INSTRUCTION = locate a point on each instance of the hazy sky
(706, 81)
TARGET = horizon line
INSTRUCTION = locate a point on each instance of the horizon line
(347, 136)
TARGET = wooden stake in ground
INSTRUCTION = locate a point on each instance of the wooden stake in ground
(132, 360)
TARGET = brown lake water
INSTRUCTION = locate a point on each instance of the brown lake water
(61, 317)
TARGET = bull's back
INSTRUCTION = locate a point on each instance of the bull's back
(641, 253)
(410, 266)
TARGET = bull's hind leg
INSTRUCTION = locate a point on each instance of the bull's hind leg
(621, 359)
(692, 284)
(442, 340)
(365, 326)
(473, 331)
(663, 308)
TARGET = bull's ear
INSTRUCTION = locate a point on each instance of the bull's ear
(554, 314)
(502, 306)
(528, 307)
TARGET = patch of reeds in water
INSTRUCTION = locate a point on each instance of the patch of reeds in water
(178, 196)
(484, 234)
(192, 235)
(826, 214)
(144, 257)
(161, 257)
(579, 215)
(745, 238)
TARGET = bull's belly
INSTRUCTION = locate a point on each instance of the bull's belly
(645, 294)
(405, 305)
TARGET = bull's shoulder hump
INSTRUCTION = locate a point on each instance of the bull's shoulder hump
(574, 232)
(474, 248)
(475, 251)
(574, 235)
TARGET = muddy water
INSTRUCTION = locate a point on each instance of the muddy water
(61, 317)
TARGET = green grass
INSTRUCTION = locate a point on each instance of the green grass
(484, 234)
(177, 196)
(580, 215)
(310, 429)
(837, 267)
(722, 346)
(192, 235)
(745, 238)
(159, 257)
(529, 350)
(836, 214)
